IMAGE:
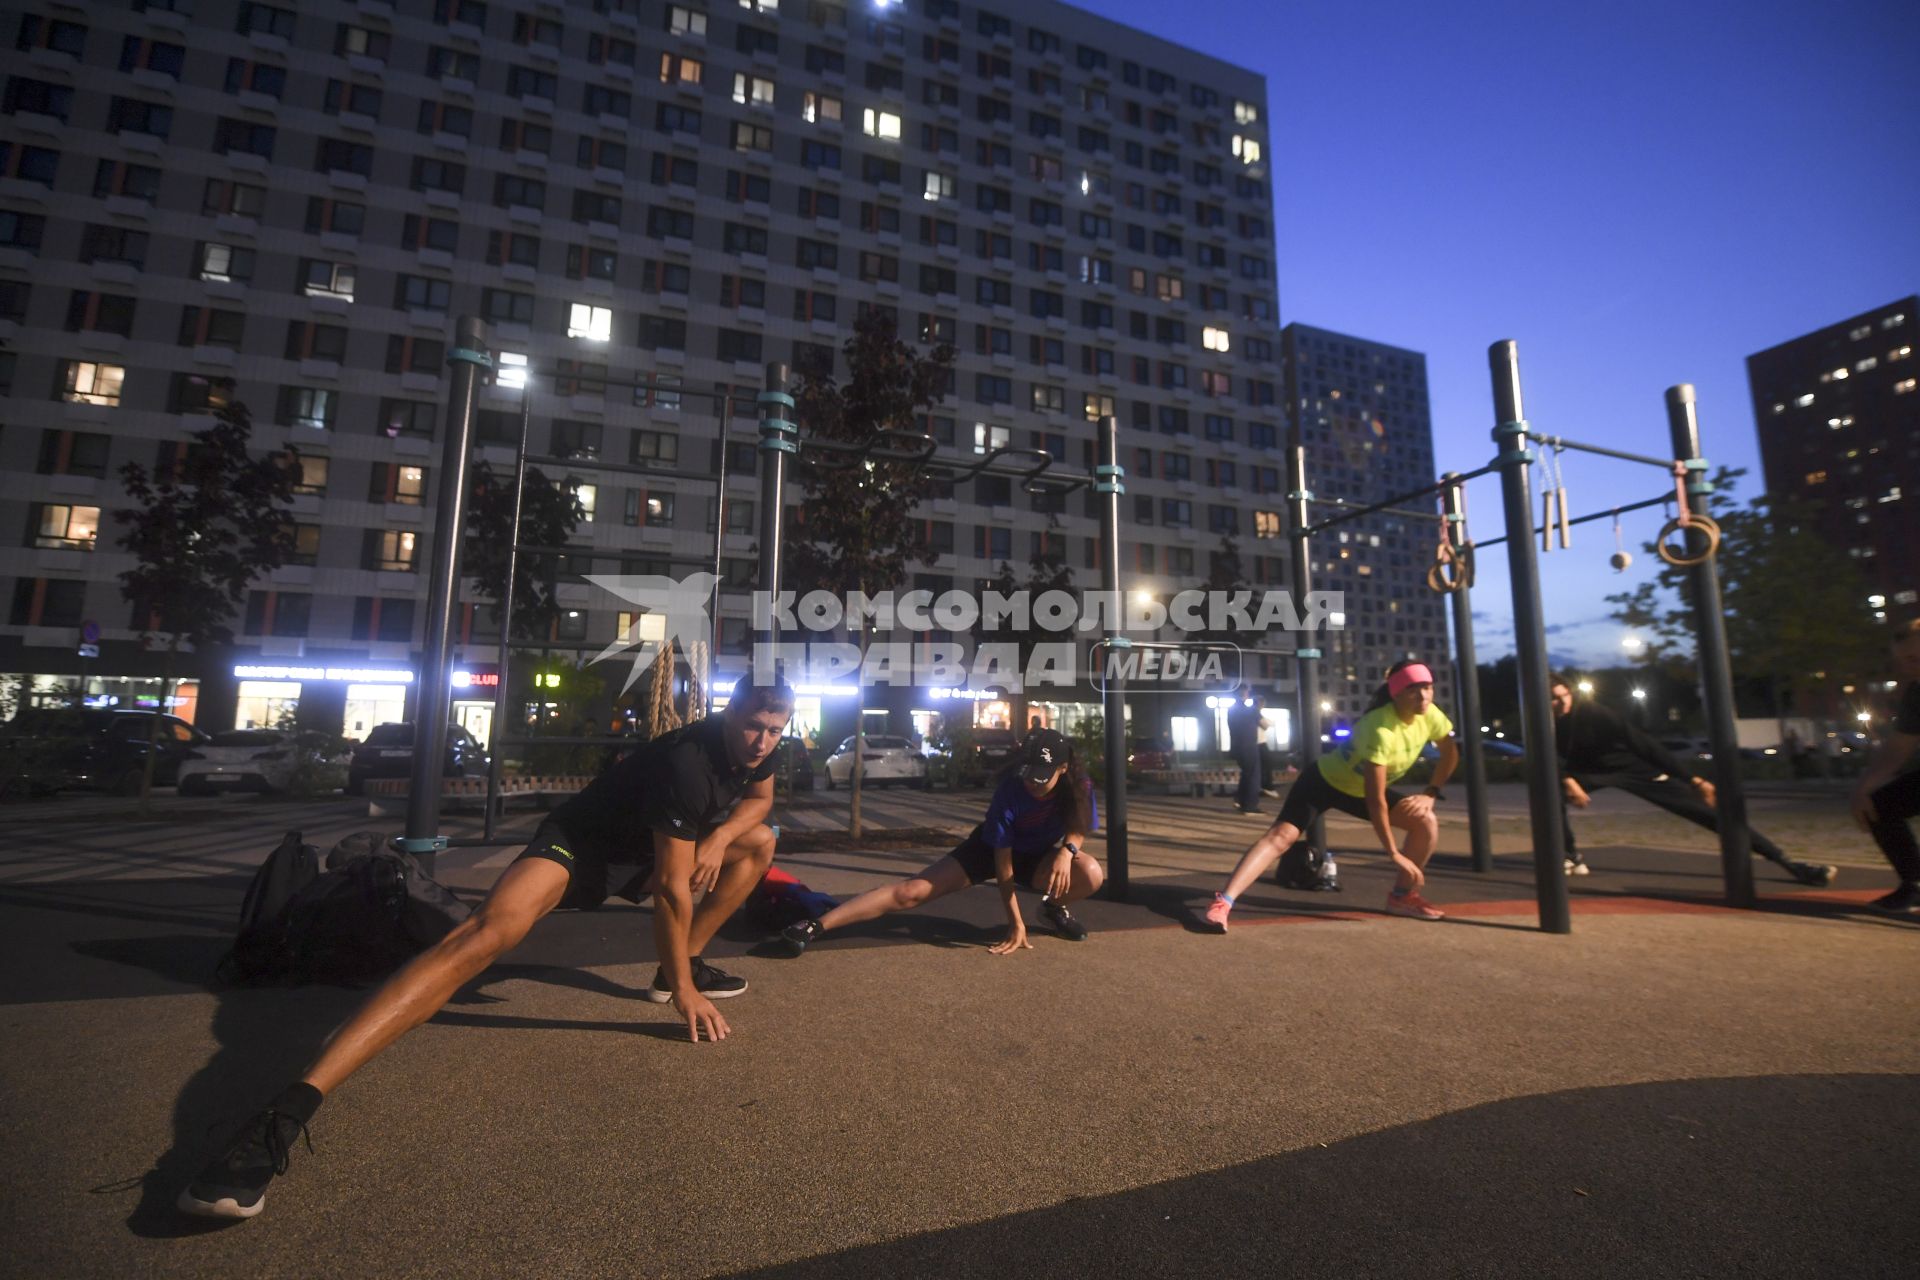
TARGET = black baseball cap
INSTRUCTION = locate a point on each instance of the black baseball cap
(1044, 752)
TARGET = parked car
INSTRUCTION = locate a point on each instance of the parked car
(96, 749)
(887, 760)
(792, 753)
(1151, 753)
(388, 753)
(253, 760)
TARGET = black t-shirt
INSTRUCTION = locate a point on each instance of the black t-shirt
(1906, 717)
(682, 783)
(1594, 740)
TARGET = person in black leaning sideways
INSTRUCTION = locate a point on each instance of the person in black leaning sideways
(1243, 732)
(1598, 748)
(661, 818)
(1888, 797)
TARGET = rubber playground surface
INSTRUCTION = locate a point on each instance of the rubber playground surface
(1674, 1088)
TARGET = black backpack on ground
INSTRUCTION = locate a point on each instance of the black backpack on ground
(1304, 867)
(368, 913)
(261, 942)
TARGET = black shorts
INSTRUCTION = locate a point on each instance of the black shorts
(593, 876)
(1312, 795)
(975, 857)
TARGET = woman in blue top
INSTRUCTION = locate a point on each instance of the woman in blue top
(1039, 815)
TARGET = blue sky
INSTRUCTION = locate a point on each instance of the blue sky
(1639, 194)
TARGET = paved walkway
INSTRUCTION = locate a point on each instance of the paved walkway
(1674, 1088)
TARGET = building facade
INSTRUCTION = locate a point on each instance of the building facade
(1838, 415)
(1368, 435)
(645, 202)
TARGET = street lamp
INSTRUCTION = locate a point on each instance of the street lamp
(1586, 687)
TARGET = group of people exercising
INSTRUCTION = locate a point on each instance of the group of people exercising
(683, 818)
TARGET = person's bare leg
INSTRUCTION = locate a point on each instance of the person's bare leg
(1423, 833)
(943, 877)
(746, 862)
(527, 891)
(1255, 861)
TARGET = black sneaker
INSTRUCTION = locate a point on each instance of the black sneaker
(235, 1185)
(1816, 874)
(1062, 921)
(1904, 901)
(797, 935)
(714, 984)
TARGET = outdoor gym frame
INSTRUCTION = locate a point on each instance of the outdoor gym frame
(779, 444)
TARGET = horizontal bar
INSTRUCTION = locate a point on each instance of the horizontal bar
(1560, 442)
(1408, 512)
(620, 468)
(1591, 516)
(1320, 526)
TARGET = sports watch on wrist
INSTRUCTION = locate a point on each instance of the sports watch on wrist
(1436, 794)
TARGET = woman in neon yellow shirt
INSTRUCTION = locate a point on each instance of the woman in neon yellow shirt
(1385, 744)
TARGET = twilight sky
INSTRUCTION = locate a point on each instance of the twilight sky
(1639, 194)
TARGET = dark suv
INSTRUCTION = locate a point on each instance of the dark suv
(99, 749)
(388, 753)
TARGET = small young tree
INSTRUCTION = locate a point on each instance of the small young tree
(201, 532)
(857, 530)
(549, 513)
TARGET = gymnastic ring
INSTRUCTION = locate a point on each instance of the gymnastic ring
(1679, 560)
(1447, 576)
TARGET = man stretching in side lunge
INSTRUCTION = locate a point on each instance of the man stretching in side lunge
(660, 817)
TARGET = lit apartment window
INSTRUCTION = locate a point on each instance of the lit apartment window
(939, 186)
(1901, 388)
(881, 124)
(761, 6)
(509, 369)
(1816, 477)
(1214, 339)
(682, 21)
(1245, 112)
(85, 382)
(396, 550)
(816, 107)
(752, 90)
(588, 495)
(1899, 353)
(1266, 524)
(675, 69)
(225, 263)
(312, 477)
(68, 528)
(1805, 400)
(1248, 149)
(595, 324)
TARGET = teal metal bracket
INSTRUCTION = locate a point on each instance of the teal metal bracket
(1113, 485)
(419, 844)
(1514, 435)
(467, 355)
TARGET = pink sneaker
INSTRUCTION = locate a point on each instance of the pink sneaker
(1413, 906)
(1217, 913)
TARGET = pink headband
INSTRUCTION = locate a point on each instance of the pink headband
(1400, 681)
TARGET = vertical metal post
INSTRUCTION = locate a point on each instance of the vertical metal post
(1306, 645)
(1467, 674)
(466, 362)
(505, 672)
(1716, 671)
(719, 551)
(1530, 641)
(1110, 481)
(779, 439)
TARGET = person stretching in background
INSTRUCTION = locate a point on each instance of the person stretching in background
(1386, 742)
(1888, 797)
(1598, 748)
(1040, 813)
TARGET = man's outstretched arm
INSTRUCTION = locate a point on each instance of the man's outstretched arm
(672, 917)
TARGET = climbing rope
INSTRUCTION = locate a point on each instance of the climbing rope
(1452, 566)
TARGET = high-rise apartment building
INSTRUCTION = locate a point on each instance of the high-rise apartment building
(1368, 436)
(645, 201)
(1839, 419)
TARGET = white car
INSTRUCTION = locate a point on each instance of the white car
(245, 760)
(888, 760)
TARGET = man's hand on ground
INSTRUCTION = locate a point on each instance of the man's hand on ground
(701, 1016)
(1016, 940)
